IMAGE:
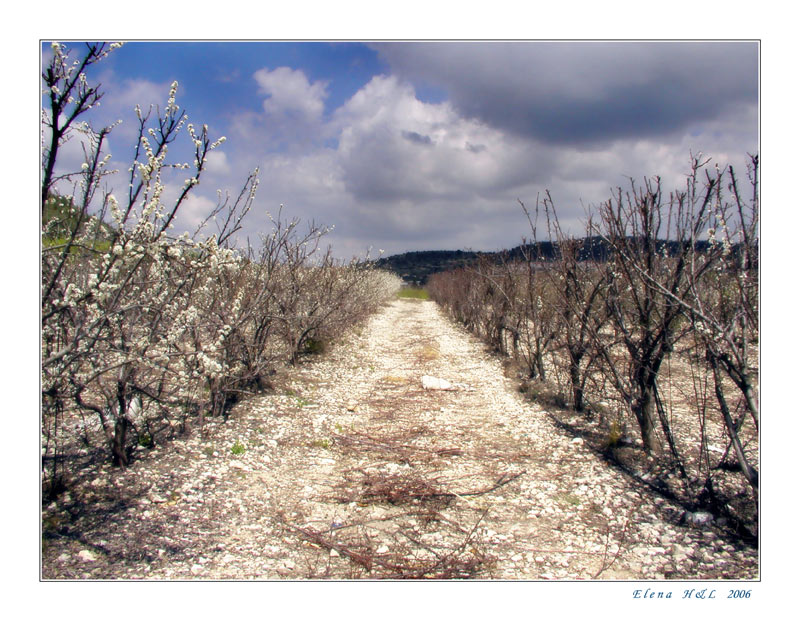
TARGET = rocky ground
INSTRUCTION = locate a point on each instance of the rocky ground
(353, 467)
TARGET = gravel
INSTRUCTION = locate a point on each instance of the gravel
(351, 469)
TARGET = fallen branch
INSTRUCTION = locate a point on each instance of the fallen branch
(401, 489)
(445, 566)
(606, 564)
(503, 480)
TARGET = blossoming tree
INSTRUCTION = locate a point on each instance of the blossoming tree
(145, 328)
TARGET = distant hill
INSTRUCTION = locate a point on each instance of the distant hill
(416, 267)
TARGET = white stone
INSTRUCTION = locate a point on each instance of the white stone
(701, 518)
(435, 383)
(86, 555)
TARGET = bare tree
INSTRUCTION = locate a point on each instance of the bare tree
(579, 282)
(658, 277)
(722, 301)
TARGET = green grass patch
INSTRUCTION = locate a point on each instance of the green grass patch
(568, 499)
(100, 246)
(413, 293)
(303, 402)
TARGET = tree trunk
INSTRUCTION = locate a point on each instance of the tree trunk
(750, 400)
(645, 411)
(575, 380)
(750, 473)
(119, 454)
(540, 363)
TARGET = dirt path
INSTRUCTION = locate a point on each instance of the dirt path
(353, 470)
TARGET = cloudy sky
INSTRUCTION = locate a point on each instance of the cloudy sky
(430, 145)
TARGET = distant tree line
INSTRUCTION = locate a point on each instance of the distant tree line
(417, 267)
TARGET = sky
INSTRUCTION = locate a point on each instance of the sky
(432, 145)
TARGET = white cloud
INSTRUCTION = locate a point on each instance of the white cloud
(195, 208)
(290, 95)
(122, 97)
(217, 163)
(393, 146)
(292, 117)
